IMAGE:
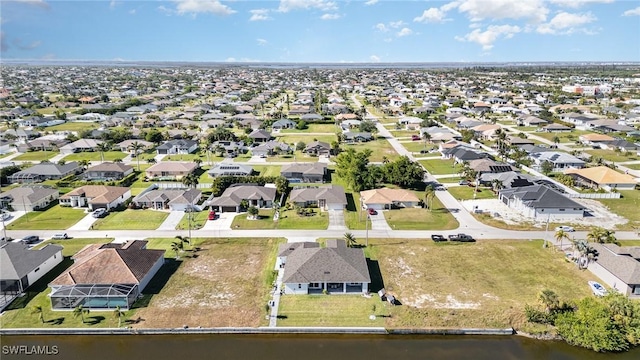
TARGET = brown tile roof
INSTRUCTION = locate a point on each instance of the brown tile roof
(596, 137)
(603, 175)
(99, 194)
(110, 264)
(387, 196)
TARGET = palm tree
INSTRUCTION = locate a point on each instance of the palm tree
(79, 311)
(496, 185)
(561, 235)
(587, 253)
(429, 194)
(184, 239)
(38, 310)
(102, 147)
(135, 147)
(191, 180)
(602, 236)
(426, 137)
(84, 163)
(151, 160)
(118, 314)
(177, 248)
(549, 299)
(350, 239)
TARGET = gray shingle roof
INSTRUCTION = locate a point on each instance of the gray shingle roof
(539, 196)
(17, 260)
(617, 261)
(333, 194)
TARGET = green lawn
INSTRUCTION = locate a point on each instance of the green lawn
(305, 138)
(197, 220)
(36, 156)
(185, 157)
(74, 126)
(331, 310)
(404, 133)
(54, 218)
(268, 170)
(421, 219)
(131, 220)
(564, 136)
(417, 146)
(72, 246)
(314, 128)
(380, 149)
(439, 166)
(288, 220)
(611, 155)
(466, 193)
(95, 156)
(452, 179)
(627, 207)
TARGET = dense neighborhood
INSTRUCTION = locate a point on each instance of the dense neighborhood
(254, 191)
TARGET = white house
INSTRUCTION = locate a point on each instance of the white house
(541, 202)
(618, 267)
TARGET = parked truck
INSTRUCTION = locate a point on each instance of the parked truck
(461, 238)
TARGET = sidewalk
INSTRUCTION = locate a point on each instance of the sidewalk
(172, 220)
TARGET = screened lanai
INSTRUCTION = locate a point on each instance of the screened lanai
(93, 296)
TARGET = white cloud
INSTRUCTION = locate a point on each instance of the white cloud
(202, 6)
(259, 15)
(374, 58)
(288, 5)
(396, 24)
(488, 37)
(262, 42)
(330, 16)
(38, 3)
(163, 9)
(382, 27)
(371, 2)
(477, 10)
(566, 23)
(632, 12)
(578, 3)
(132, 11)
(432, 15)
(404, 32)
(113, 4)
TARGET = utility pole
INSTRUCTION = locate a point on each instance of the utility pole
(366, 226)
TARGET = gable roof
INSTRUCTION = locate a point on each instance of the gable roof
(333, 194)
(170, 196)
(387, 196)
(110, 264)
(111, 167)
(334, 263)
(234, 195)
(540, 196)
(99, 194)
(182, 143)
(603, 175)
(29, 194)
(17, 260)
(49, 169)
(260, 134)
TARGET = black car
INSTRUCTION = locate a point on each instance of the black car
(438, 238)
(31, 239)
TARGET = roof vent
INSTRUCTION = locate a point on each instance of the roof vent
(327, 272)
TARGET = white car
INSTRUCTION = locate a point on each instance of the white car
(60, 236)
(565, 228)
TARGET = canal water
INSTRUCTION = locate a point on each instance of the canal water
(291, 346)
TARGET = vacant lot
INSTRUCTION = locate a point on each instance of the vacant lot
(564, 137)
(627, 207)
(289, 219)
(224, 283)
(483, 284)
(131, 220)
(380, 149)
(36, 156)
(185, 157)
(55, 218)
(466, 193)
(611, 155)
(439, 166)
(422, 219)
(73, 126)
(305, 138)
(314, 128)
(95, 156)
(268, 170)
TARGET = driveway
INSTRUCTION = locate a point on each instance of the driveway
(222, 222)
(378, 222)
(172, 220)
(85, 223)
(336, 220)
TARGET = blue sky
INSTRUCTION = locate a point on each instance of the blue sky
(321, 30)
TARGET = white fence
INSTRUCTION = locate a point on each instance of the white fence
(178, 185)
(613, 195)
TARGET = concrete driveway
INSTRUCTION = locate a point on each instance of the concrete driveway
(85, 223)
(336, 220)
(172, 220)
(222, 222)
(378, 222)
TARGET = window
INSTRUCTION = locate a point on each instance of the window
(562, 209)
(636, 290)
(36, 270)
(299, 286)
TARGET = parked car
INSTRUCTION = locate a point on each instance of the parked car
(463, 182)
(415, 137)
(30, 239)
(60, 236)
(99, 213)
(371, 211)
(438, 238)
(212, 215)
(5, 216)
(565, 228)
(461, 238)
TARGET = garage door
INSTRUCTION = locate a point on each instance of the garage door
(228, 209)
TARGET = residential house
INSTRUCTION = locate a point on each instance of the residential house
(353, 137)
(531, 121)
(260, 136)
(482, 166)
(411, 122)
(555, 127)
(182, 146)
(622, 145)
(45, 171)
(96, 197)
(28, 198)
(21, 267)
(283, 124)
(602, 177)
(170, 170)
(486, 131)
(106, 276)
(618, 267)
(560, 160)
(42, 144)
(464, 153)
(233, 197)
(336, 268)
(229, 149)
(518, 141)
(108, 171)
(271, 147)
(126, 146)
(230, 169)
(595, 140)
(541, 202)
(167, 199)
(318, 148)
(81, 146)
(304, 172)
(384, 198)
(510, 179)
(324, 197)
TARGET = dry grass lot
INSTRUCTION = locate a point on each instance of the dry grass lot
(483, 284)
(225, 283)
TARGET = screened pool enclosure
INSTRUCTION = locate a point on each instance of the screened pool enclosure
(93, 296)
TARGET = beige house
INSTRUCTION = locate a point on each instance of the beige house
(602, 177)
(96, 197)
(384, 198)
(170, 170)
